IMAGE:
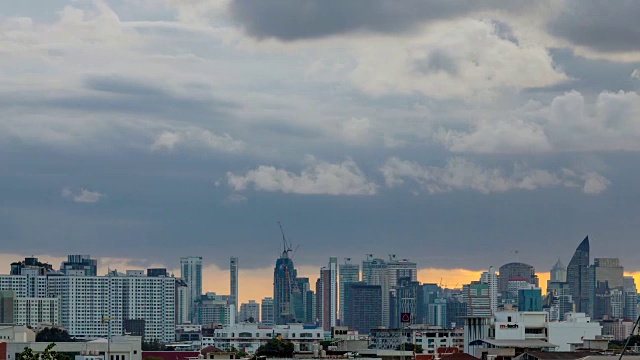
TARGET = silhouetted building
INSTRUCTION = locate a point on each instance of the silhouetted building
(515, 270)
(456, 311)
(32, 264)
(578, 277)
(80, 265)
(284, 277)
(364, 304)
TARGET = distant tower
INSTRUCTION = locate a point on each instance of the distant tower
(377, 273)
(578, 277)
(284, 279)
(191, 273)
(267, 311)
(558, 273)
(233, 277)
(491, 279)
(348, 273)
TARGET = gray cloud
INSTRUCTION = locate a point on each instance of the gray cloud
(307, 19)
(600, 25)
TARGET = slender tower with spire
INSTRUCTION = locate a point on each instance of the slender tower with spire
(284, 277)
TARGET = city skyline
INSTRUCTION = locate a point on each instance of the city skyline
(478, 128)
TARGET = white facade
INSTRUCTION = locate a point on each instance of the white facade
(120, 347)
(490, 278)
(268, 312)
(34, 311)
(249, 337)
(191, 273)
(250, 310)
(183, 302)
(95, 306)
(576, 328)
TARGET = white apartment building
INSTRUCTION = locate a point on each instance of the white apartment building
(34, 311)
(491, 279)
(248, 311)
(249, 337)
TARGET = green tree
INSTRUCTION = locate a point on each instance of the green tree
(47, 354)
(410, 347)
(153, 345)
(276, 348)
(53, 334)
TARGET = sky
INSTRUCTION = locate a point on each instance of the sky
(458, 134)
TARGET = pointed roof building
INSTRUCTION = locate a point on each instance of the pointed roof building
(578, 277)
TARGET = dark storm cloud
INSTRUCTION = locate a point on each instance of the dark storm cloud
(306, 19)
(600, 25)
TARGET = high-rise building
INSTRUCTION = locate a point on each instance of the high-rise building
(348, 273)
(558, 272)
(327, 294)
(530, 299)
(376, 272)
(268, 312)
(310, 307)
(284, 278)
(6, 306)
(213, 309)
(560, 300)
(249, 312)
(299, 299)
(491, 279)
(85, 301)
(476, 296)
(191, 273)
(630, 298)
(515, 270)
(401, 269)
(156, 272)
(183, 302)
(233, 288)
(407, 297)
(606, 275)
(578, 277)
(456, 311)
(437, 313)
(82, 265)
(364, 304)
(31, 265)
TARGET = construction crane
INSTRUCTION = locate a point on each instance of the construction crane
(291, 283)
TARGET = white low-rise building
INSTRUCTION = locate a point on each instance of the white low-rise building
(576, 328)
(249, 337)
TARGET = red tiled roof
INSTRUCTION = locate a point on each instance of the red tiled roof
(171, 355)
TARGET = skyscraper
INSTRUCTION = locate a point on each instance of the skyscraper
(578, 277)
(476, 296)
(233, 277)
(284, 279)
(191, 273)
(80, 265)
(491, 279)
(401, 269)
(364, 305)
(333, 296)
(558, 272)
(630, 298)
(267, 311)
(513, 270)
(327, 294)
(348, 273)
(606, 288)
(376, 272)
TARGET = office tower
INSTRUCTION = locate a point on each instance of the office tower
(191, 273)
(310, 307)
(183, 302)
(401, 269)
(299, 299)
(82, 265)
(530, 299)
(213, 309)
(630, 298)
(86, 300)
(558, 272)
(606, 275)
(364, 304)
(561, 300)
(268, 312)
(456, 311)
(515, 270)
(333, 297)
(578, 277)
(376, 272)
(326, 296)
(407, 297)
(156, 272)
(233, 277)
(284, 277)
(437, 313)
(491, 279)
(348, 273)
(476, 296)
(249, 312)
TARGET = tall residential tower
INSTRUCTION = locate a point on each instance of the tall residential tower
(233, 277)
(191, 273)
(349, 273)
